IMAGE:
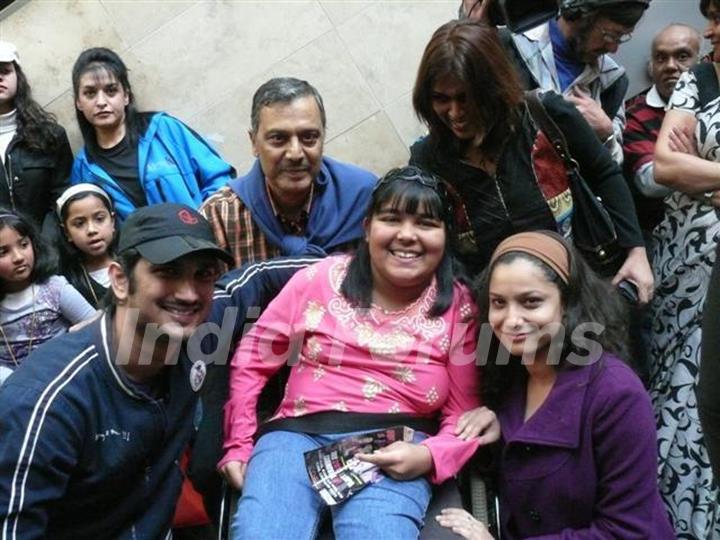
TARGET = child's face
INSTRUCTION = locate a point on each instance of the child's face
(17, 260)
(90, 226)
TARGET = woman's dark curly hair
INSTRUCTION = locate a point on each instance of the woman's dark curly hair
(585, 299)
(705, 6)
(35, 125)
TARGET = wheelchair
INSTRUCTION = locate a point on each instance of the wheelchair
(473, 490)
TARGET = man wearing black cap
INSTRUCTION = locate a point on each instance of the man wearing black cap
(94, 422)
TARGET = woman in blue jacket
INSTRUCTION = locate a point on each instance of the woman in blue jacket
(138, 158)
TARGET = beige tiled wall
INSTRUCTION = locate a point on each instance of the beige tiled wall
(202, 61)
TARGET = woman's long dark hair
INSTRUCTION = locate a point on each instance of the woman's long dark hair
(45, 258)
(71, 258)
(472, 53)
(585, 299)
(35, 126)
(99, 60)
(409, 189)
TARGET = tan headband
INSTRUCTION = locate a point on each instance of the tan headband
(543, 246)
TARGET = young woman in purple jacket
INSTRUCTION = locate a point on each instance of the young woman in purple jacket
(579, 448)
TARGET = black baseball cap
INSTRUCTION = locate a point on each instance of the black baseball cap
(164, 232)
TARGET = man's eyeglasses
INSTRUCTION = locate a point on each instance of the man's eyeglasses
(615, 37)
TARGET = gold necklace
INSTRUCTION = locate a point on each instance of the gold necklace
(89, 284)
(32, 331)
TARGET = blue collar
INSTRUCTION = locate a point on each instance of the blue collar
(568, 67)
(341, 197)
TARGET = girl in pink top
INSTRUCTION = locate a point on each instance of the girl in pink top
(384, 337)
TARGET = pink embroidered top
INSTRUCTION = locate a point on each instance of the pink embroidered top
(359, 360)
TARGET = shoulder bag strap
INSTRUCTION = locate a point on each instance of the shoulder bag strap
(548, 126)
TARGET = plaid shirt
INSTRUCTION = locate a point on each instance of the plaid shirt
(235, 229)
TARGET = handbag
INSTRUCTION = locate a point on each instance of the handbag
(593, 231)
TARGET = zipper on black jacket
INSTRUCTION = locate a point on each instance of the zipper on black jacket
(10, 179)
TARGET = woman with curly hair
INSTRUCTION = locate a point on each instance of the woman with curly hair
(35, 152)
(578, 449)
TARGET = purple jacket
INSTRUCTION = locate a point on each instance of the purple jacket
(584, 466)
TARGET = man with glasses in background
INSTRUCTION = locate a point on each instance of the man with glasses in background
(570, 55)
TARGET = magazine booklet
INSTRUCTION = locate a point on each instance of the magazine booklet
(337, 475)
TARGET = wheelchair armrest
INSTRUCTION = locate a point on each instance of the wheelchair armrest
(227, 509)
(480, 495)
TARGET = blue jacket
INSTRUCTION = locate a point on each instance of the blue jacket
(84, 452)
(340, 202)
(175, 164)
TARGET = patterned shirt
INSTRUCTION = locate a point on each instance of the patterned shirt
(235, 229)
(358, 360)
(30, 317)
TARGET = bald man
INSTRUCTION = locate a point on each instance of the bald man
(675, 49)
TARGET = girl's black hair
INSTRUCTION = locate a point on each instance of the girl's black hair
(35, 126)
(71, 258)
(409, 189)
(585, 299)
(45, 258)
(99, 60)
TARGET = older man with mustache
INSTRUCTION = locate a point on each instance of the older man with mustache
(293, 200)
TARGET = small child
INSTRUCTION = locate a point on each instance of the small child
(87, 225)
(35, 305)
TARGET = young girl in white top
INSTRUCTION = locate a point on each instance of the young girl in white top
(86, 244)
(35, 304)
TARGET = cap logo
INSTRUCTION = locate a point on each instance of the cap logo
(186, 217)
